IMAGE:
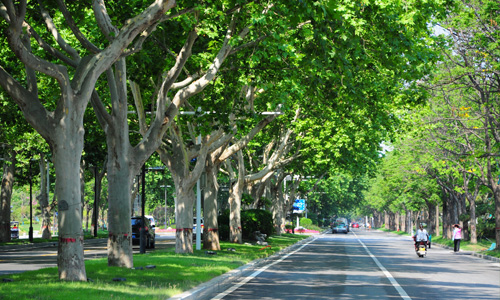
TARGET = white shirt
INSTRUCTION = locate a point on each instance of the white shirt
(421, 235)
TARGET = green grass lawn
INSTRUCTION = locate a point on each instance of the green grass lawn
(173, 274)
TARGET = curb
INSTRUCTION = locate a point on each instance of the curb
(221, 283)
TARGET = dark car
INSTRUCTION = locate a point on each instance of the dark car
(148, 231)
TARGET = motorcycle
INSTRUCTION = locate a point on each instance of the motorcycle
(421, 249)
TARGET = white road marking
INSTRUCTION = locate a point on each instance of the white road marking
(256, 273)
(396, 285)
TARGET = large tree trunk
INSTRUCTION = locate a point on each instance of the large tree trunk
(397, 220)
(211, 230)
(496, 193)
(82, 188)
(431, 225)
(97, 194)
(43, 198)
(278, 208)
(119, 206)
(447, 216)
(119, 226)
(436, 220)
(184, 222)
(6, 196)
(178, 162)
(67, 149)
(235, 232)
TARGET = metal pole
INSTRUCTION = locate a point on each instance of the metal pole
(198, 215)
(95, 202)
(31, 206)
(143, 200)
(305, 205)
(198, 209)
(165, 206)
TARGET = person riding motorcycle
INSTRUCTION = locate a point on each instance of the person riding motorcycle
(421, 236)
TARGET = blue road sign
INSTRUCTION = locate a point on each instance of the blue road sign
(299, 206)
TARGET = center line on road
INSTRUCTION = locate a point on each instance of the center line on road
(256, 273)
(395, 284)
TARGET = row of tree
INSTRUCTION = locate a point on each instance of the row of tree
(446, 165)
(191, 81)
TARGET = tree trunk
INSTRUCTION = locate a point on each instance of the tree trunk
(386, 219)
(447, 216)
(278, 208)
(43, 198)
(436, 220)
(184, 222)
(431, 229)
(119, 208)
(473, 224)
(67, 149)
(185, 179)
(97, 194)
(6, 196)
(235, 231)
(496, 193)
(398, 217)
(211, 230)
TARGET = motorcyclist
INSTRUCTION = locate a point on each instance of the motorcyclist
(421, 236)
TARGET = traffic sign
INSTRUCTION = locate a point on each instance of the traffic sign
(299, 206)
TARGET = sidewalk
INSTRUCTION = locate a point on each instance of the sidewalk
(461, 252)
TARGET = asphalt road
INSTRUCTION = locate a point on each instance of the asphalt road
(369, 265)
(27, 258)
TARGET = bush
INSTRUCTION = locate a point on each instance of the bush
(251, 221)
(486, 228)
(304, 222)
(223, 222)
(256, 220)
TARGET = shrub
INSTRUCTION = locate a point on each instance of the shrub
(251, 221)
(304, 222)
(223, 222)
(256, 220)
(486, 228)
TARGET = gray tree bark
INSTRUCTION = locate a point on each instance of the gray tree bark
(43, 199)
(6, 195)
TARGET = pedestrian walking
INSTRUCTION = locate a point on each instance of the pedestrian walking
(457, 237)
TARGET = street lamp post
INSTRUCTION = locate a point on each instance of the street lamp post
(143, 223)
(96, 219)
(31, 205)
(166, 205)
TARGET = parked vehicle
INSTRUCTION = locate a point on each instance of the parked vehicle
(355, 225)
(194, 227)
(152, 220)
(14, 229)
(148, 231)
